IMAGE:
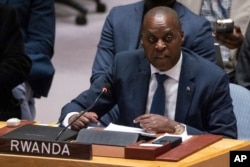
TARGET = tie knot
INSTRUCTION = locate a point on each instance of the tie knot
(161, 78)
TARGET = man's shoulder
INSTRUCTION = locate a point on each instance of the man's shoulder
(130, 54)
(201, 64)
(129, 58)
(126, 7)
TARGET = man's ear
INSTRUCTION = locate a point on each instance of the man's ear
(182, 36)
(141, 42)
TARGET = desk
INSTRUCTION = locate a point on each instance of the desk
(217, 153)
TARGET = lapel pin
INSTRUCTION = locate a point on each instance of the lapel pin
(188, 89)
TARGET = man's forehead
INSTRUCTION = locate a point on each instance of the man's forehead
(160, 21)
(157, 30)
(160, 17)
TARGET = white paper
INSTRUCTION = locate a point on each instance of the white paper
(121, 128)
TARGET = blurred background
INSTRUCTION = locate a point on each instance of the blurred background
(75, 48)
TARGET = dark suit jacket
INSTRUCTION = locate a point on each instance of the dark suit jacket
(121, 32)
(37, 20)
(203, 101)
(14, 64)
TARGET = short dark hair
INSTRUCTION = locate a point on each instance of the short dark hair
(163, 10)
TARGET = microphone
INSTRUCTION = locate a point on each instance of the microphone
(105, 89)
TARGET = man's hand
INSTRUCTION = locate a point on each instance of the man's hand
(231, 41)
(153, 123)
(83, 121)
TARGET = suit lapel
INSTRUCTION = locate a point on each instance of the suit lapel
(135, 26)
(139, 85)
(185, 91)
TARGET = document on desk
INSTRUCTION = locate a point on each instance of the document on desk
(121, 128)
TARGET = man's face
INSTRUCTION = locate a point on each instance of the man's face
(162, 40)
(154, 3)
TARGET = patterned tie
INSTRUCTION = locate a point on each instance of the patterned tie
(158, 102)
(223, 10)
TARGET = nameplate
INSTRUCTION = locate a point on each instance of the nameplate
(46, 148)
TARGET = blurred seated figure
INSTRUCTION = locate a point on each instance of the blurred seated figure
(230, 42)
(242, 73)
(37, 22)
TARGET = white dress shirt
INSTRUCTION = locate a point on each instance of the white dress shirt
(171, 88)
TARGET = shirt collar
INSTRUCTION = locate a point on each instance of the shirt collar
(173, 73)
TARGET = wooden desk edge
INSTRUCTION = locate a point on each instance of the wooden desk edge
(195, 159)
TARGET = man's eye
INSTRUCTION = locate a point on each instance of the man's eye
(169, 38)
(152, 39)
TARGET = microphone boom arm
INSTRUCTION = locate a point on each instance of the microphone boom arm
(104, 90)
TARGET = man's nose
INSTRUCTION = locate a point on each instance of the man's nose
(160, 45)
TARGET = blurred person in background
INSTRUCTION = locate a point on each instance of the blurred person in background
(37, 21)
(238, 11)
(242, 73)
(14, 63)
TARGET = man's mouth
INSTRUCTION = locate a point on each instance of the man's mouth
(161, 56)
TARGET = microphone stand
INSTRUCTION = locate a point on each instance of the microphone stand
(104, 90)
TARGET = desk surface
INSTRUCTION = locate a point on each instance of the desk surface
(217, 153)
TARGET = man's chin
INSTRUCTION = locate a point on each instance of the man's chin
(161, 67)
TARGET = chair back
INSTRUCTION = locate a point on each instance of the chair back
(241, 102)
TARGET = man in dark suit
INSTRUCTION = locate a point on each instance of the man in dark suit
(122, 29)
(37, 21)
(14, 64)
(197, 90)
